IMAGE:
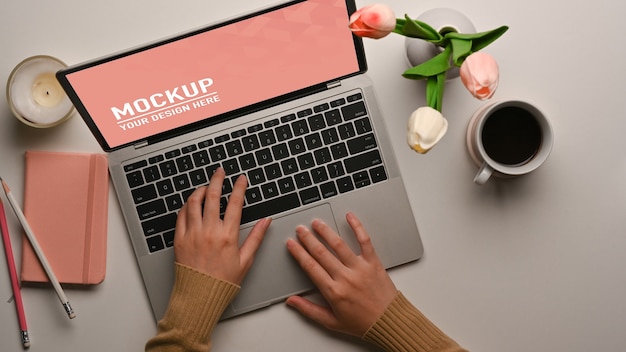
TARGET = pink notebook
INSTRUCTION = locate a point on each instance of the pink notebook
(66, 204)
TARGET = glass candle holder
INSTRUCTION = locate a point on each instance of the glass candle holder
(35, 96)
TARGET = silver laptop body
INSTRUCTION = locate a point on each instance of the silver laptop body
(348, 165)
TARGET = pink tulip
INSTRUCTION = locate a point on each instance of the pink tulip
(373, 21)
(480, 73)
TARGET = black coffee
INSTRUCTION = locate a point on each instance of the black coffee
(511, 136)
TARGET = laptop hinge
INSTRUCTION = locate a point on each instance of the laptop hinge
(333, 84)
(141, 144)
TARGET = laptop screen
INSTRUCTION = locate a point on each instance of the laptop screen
(216, 72)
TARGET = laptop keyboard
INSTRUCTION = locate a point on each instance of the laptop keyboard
(297, 159)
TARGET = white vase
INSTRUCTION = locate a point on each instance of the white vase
(443, 20)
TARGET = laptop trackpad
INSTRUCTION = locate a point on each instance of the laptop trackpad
(275, 275)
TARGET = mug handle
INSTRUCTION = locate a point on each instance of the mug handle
(483, 174)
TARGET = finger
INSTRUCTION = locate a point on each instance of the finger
(309, 265)
(365, 242)
(318, 251)
(192, 209)
(336, 243)
(181, 224)
(213, 194)
(319, 314)
(253, 242)
(232, 215)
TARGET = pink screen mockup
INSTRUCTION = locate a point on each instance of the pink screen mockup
(213, 72)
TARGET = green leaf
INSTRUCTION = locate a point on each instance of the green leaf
(432, 67)
(461, 48)
(416, 29)
(479, 40)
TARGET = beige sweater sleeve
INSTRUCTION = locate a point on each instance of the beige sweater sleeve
(196, 305)
(403, 328)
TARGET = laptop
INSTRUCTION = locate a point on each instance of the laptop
(279, 94)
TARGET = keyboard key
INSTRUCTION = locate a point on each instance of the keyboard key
(218, 153)
(201, 158)
(310, 195)
(267, 138)
(144, 194)
(297, 146)
(255, 128)
(305, 112)
(205, 144)
(345, 184)
(172, 154)
(361, 179)
(287, 118)
(330, 136)
(378, 174)
(135, 166)
(151, 173)
(198, 177)
(362, 143)
(354, 97)
(256, 176)
(253, 195)
(271, 123)
(303, 180)
(247, 161)
(280, 151)
(222, 138)
(234, 148)
(189, 148)
(306, 161)
(321, 107)
(272, 171)
(283, 133)
(181, 182)
(313, 141)
(174, 202)
(346, 130)
(299, 127)
(168, 238)
(339, 150)
(160, 224)
(363, 161)
(231, 167)
(319, 174)
(363, 125)
(168, 168)
(184, 163)
(286, 185)
(338, 102)
(289, 166)
(238, 133)
(151, 209)
(322, 156)
(328, 189)
(316, 122)
(155, 244)
(335, 169)
(251, 142)
(264, 156)
(353, 111)
(165, 187)
(134, 179)
(333, 117)
(269, 190)
(156, 159)
(270, 207)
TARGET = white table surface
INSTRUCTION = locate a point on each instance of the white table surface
(532, 264)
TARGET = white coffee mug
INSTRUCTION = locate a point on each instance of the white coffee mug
(507, 138)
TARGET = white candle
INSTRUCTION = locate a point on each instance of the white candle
(35, 95)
